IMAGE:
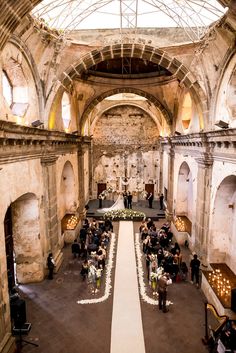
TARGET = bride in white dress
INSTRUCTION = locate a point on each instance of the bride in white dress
(118, 205)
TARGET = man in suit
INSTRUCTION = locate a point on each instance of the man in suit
(130, 197)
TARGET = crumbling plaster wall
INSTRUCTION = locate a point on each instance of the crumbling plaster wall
(125, 137)
(22, 68)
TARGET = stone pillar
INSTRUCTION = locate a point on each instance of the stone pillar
(50, 207)
(204, 179)
(90, 148)
(160, 186)
(169, 209)
(80, 154)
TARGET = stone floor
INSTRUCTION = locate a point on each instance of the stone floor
(61, 325)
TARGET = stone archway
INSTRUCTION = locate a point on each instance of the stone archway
(223, 226)
(184, 198)
(25, 247)
(67, 201)
(163, 110)
(140, 51)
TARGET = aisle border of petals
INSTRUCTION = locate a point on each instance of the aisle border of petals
(142, 286)
(109, 267)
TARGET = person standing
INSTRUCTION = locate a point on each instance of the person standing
(164, 281)
(150, 199)
(125, 197)
(75, 249)
(195, 265)
(50, 265)
(130, 197)
(161, 202)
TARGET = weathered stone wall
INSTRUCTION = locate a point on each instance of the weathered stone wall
(126, 138)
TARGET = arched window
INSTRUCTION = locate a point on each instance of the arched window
(187, 111)
(65, 110)
(7, 89)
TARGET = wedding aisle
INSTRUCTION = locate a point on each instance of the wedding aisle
(127, 330)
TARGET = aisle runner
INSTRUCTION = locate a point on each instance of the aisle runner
(127, 329)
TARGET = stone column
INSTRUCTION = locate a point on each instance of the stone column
(160, 186)
(50, 207)
(80, 156)
(169, 209)
(204, 180)
(90, 152)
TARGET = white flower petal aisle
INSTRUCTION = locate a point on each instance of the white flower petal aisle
(109, 267)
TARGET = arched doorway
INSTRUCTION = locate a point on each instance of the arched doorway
(223, 225)
(22, 239)
(67, 190)
(184, 197)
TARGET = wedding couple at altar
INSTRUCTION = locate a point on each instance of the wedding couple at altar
(124, 200)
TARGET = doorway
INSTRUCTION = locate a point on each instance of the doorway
(149, 188)
(101, 188)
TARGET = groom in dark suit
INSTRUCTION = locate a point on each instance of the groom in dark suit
(130, 197)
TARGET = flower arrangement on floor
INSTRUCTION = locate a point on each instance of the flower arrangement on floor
(124, 215)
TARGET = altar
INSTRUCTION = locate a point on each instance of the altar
(70, 227)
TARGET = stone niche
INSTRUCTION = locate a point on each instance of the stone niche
(26, 239)
(125, 150)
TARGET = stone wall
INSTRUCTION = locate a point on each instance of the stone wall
(125, 144)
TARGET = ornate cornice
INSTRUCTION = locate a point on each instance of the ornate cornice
(220, 144)
(18, 143)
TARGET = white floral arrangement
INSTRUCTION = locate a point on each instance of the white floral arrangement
(124, 214)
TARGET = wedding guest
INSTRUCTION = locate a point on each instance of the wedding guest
(75, 249)
(195, 265)
(50, 265)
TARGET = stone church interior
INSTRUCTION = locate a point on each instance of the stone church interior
(99, 99)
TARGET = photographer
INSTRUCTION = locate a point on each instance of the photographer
(164, 281)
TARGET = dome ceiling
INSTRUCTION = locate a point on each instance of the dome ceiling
(68, 15)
